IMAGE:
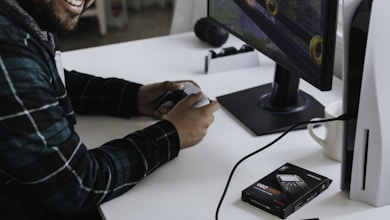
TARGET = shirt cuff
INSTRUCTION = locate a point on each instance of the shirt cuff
(165, 135)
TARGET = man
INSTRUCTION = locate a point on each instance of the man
(46, 172)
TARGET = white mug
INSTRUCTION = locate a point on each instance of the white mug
(333, 140)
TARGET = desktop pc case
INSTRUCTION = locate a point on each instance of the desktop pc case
(366, 154)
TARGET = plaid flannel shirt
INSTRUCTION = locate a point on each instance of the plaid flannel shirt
(44, 166)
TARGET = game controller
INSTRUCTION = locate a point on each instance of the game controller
(171, 98)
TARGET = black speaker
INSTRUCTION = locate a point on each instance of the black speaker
(208, 31)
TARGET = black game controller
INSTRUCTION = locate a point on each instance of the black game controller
(171, 98)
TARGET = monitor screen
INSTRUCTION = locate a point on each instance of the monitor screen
(299, 36)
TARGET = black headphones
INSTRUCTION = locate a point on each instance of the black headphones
(208, 31)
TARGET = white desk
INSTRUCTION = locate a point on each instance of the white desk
(190, 186)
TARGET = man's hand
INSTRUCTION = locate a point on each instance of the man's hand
(190, 122)
(149, 94)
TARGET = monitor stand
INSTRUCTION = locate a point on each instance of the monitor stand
(273, 108)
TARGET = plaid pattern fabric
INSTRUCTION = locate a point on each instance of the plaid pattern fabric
(44, 166)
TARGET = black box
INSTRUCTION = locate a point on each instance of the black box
(285, 190)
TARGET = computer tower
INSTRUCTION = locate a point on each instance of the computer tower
(367, 160)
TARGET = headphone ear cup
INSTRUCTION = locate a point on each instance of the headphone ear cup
(209, 32)
(200, 28)
(216, 36)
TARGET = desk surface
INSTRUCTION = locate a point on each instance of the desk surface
(190, 186)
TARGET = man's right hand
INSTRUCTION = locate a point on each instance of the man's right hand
(190, 122)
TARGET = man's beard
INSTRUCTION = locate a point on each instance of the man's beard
(46, 17)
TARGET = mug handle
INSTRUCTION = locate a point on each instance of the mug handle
(310, 127)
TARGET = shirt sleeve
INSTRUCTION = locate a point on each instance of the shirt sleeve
(97, 95)
(43, 158)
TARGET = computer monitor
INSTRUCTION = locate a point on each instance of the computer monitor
(300, 37)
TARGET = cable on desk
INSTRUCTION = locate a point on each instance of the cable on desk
(343, 117)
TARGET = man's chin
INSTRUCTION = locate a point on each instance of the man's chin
(70, 31)
(63, 27)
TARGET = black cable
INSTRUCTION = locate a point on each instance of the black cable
(343, 117)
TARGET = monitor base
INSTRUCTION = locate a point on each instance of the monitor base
(245, 106)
